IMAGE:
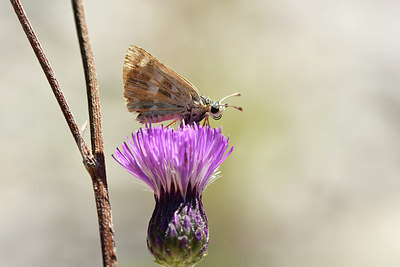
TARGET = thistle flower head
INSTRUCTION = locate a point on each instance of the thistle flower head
(177, 165)
(182, 160)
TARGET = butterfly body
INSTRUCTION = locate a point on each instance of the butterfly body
(190, 113)
(158, 94)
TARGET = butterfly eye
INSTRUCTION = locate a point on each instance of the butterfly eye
(214, 109)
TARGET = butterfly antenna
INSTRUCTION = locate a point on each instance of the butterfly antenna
(234, 94)
(230, 106)
(227, 105)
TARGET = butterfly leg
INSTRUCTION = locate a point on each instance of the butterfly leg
(206, 122)
(171, 123)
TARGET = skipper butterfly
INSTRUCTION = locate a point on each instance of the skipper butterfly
(158, 93)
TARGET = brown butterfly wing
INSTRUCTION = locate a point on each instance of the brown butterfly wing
(154, 91)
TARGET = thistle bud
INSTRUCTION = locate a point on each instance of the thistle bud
(178, 231)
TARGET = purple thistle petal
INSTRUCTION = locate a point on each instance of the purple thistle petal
(165, 158)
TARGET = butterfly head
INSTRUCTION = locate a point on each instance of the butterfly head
(216, 108)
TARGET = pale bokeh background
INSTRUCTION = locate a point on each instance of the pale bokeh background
(314, 177)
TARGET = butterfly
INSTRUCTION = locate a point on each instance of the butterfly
(158, 93)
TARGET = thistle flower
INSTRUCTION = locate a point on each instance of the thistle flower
(177, 165)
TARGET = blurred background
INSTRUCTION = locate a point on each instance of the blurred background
(314, 176)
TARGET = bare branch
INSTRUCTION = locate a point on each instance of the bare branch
(99, 173)
(94, 163)
(48, 71)
(90, 76)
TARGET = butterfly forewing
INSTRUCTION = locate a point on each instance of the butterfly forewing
(154, 91)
